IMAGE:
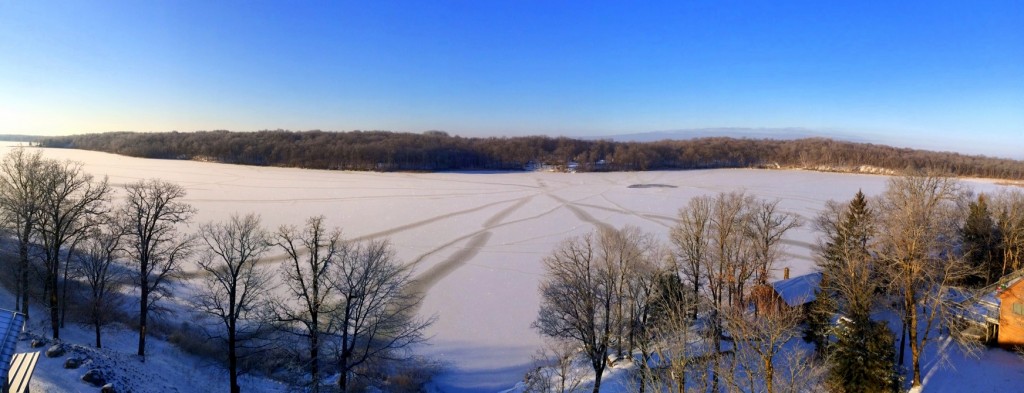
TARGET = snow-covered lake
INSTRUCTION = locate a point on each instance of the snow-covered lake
(477, 239)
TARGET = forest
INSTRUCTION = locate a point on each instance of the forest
(439, 151)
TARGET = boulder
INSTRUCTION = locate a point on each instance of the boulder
(94, 377)
(108, 388)
(37, 343)
(73, 363)
(55, 350)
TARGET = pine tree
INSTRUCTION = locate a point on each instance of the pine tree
(819, 321)
(848, 279)
(863, 358)
(982, 242)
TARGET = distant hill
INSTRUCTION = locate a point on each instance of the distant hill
(438, 151)
(787, 133)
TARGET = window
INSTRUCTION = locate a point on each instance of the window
(1018, 308)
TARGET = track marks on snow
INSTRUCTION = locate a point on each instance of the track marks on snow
(580, 213)
(426, 280)
(477, 241)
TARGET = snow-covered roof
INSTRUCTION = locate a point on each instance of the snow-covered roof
(983, 308)
(10, 327)
(799, 290)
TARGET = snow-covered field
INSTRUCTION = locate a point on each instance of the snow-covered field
(477, 239)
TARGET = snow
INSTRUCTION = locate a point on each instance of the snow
(477, 239)
(797, 291)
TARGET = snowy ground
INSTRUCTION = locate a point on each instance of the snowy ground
(167, 368)
(476, 239)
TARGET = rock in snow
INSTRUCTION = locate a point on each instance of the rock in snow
(72, 363)
(55, 350)
(94, 377)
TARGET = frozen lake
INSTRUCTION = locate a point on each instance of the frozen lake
(477, 239)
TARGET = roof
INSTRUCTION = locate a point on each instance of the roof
(799, 290)
(1006, 283)
(10, 325)
(982, 308)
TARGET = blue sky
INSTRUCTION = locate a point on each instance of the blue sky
(932, 74)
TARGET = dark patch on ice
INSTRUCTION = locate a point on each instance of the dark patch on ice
(651, 186)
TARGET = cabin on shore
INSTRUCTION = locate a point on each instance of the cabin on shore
(787, 293)
(996, 313)
(1011, 314)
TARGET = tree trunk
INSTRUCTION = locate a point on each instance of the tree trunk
(681, 381)
(717, 331)
(915, 350)
(314, 361)
(143, 302)
(233, 361)
(769, 375)
(903, 341)
(23, 264)
(64, 290)
(598, 372)
(96, 323)
(54, 314)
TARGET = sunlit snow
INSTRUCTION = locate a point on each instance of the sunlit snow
(477, 239)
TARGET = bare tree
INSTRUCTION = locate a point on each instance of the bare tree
(21, 191)
(312, 254)
(643, 272)
(151, 213)
(627, 256)
(728, 267)
(691, 238)
(234, 289)
(97, 264)
(555, 369)
(578, 300)
(766, 226)
(376, 317)
(761, 338)
(800, 371)
(731, 245)
(919, 216)
(68, 207)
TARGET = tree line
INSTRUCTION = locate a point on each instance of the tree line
(346, 305)
(699, 314)
(438, 151)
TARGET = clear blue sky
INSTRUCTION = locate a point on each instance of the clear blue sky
(934, 74)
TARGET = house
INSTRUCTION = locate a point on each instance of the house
(1011, 313)
(997, 314)
(796, 292)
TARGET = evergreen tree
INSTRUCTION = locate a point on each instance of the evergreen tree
(669, 299)
(982, 243)
(848, 279)
(863, 358)
(819, 321)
